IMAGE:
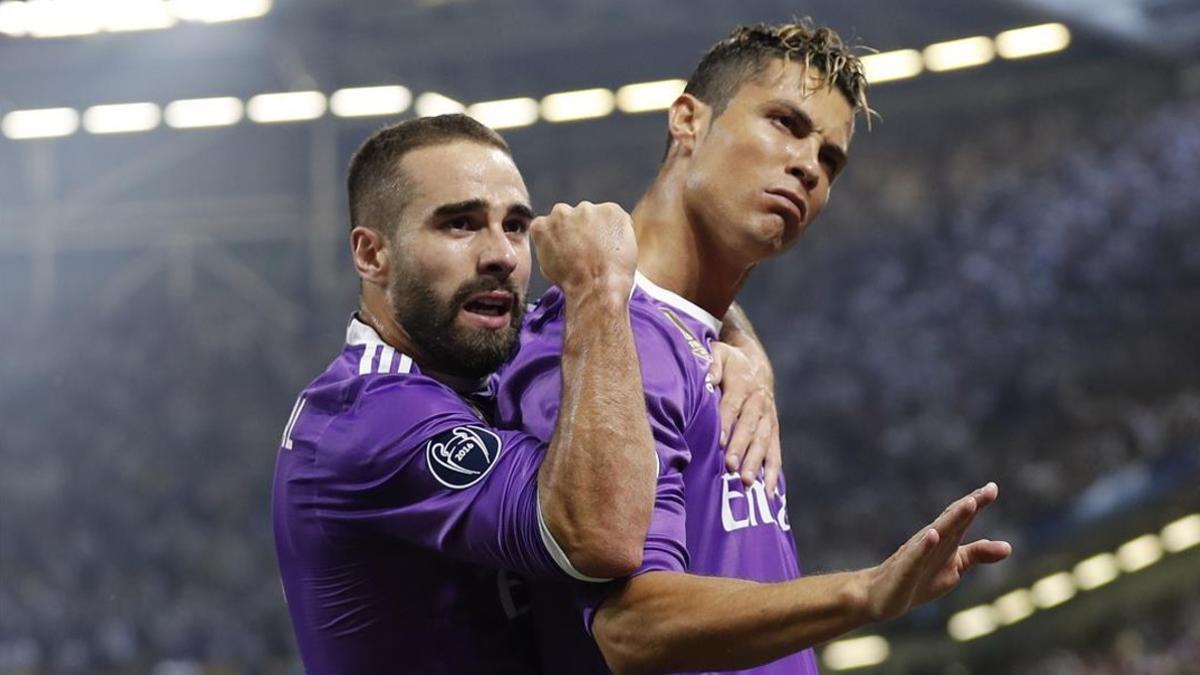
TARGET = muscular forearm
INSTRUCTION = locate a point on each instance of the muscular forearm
(597, 482)
(668, 622)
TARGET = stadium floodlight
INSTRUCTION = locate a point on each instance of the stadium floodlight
(121, 118)
(1053, 590)
(578, 105)
(432, 103)
(859, 652)
(1181, 534)
(1045, 38)
(203, 112)
(955, 54)
(289, 106)
(1140, 553)
(218, 11)
(40, 123)
(368, 101)
(1096, 571)
(1013, 606)
(63, 18)
(133, 15)
(14, 18)
(648, 96)
(971, 623)
(889, 66)
(506, 113)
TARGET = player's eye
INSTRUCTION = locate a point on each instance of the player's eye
(519, 225)
(458, 223)
(829, 163)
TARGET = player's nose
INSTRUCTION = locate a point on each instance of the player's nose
(804, 165)
(497, 255)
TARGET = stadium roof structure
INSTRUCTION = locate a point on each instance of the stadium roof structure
(165, 138)
(1169, 27)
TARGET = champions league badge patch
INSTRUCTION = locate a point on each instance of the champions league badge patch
(462, 456)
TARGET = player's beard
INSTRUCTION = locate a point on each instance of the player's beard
(431, 322)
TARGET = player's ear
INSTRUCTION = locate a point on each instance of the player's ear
(371, 255)
(686, 120)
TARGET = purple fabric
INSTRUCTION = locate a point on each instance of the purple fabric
(705, 522)
(395, 507)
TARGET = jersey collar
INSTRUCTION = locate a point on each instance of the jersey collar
(678, 302)
(359, 333)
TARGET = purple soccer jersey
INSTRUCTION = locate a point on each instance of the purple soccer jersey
(400, 516)
(705, 520)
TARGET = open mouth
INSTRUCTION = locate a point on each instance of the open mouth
(491, 304)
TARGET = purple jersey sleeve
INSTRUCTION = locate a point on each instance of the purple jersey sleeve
(418, 465)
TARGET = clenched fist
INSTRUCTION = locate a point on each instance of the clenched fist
(582, 246)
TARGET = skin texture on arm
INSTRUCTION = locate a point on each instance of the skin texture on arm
(668, 621)
(596, 484)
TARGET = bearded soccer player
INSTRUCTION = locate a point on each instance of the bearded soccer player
(398, 507)
(396, 500)
(760, 134)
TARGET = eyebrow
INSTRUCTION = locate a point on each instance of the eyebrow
(459, 208)
(837, 150)
(523, 210)
(473, 205)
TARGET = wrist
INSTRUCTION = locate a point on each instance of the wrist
(856, 596)
(610, 288)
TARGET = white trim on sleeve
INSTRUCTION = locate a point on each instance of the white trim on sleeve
(556, 551)
(558, 554)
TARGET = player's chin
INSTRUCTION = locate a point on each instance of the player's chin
(772, 235)
(481, 352)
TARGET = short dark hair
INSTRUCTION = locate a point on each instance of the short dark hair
(378, 189)
(749, 50)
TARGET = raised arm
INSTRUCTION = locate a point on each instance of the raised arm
(667, 621)
(596, 484)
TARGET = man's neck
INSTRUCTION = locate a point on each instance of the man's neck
(676, 255)
(376, 315)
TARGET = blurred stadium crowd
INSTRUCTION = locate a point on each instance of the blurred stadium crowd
(1168, 644)
(1017, 303)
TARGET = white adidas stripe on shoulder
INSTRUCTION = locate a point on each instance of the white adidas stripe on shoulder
(359, 333)
(368, 358)
(385, 359)
(386, 355)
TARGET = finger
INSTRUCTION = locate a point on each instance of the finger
(910, 559)
(958, 514)
(742, 435)
(950, 526)
(717, 368)
(774, 465)
(733, 390)
(752, 465)
(756, 455)
(968, 509)
(983, 551)
(986, 494)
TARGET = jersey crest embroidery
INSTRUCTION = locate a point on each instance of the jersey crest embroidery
(462, 456)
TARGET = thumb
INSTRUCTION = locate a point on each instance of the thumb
(716, 369)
